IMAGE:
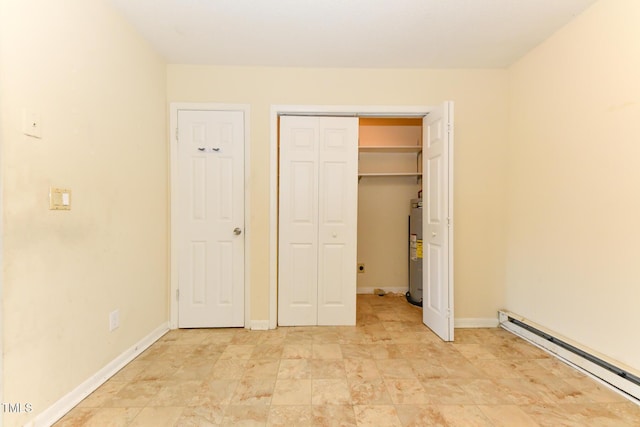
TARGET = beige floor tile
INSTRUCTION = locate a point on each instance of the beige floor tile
(201, 416)
(237, 351)
(243, 415)
(327, 368)
(268, 351)
(229, 369)
(627, 411)
(245, 337)
(261, 368)
(595, 391)
(406, 391)
(388, 370)
(369, 392)
(330, 392)
(220, 337)
(464, 416)
(193, 370)
(558, 369)
(597, 414)
(361, 368)
(253, 392)
(498, 368)
(428, 369)
(158, 371)
(355, 351)
(214, 392)
(445, 392)
(297, 351)
(175, 393)
(507, 416)
(333, 416)
(395, 368)
(77, 417)
(385, 351)
(376, 416)
(421, 416)
(292, 392)
(324, 335)
(111, 417)
(294, 368)
(157, 417)
(487, 392)
(290, 416)
(135, 394)
(326, 351)
(548, 415)
(561, 391)
(131, 371)
(103, 394)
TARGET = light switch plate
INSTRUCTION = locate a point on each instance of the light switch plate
(59, 199)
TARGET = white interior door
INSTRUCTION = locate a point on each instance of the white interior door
(317, 220)
(298, 221)
(337, 220)
(210, 213)
(437, 298)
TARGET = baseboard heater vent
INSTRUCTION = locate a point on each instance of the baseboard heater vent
(618, 377)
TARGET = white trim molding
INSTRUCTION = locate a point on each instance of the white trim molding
(67, 402)
(316, 110)
(259, 325)
(173, 159)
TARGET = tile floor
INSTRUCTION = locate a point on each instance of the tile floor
(389, 370)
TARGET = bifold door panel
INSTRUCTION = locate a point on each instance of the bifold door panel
(317, 220)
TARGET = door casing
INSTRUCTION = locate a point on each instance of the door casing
(314, 110)
(173, 159)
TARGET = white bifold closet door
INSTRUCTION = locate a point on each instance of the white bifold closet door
(318, 203)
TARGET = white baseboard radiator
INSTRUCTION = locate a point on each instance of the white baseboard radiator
(621, 378)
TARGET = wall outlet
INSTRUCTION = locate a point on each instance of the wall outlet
(360, 268)
(114, 320)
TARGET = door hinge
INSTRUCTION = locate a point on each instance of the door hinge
(176, 134)
(177, 294)
(448, 221)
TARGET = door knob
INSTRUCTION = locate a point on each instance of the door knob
(237, 231)
(433, 234)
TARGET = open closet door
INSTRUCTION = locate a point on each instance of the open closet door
(437, 221)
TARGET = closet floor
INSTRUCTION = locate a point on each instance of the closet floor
(389, 370)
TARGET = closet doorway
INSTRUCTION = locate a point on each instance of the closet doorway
(436, 166)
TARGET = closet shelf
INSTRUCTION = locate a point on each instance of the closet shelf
(390, 174)
(390, 149)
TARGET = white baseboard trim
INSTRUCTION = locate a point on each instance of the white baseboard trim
(389, 289)
(259, 325)
(66, 403)
(480, 322)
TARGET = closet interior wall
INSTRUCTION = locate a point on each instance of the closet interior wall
(384, 200)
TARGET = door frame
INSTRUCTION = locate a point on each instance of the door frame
(315, 110)
(174, 107)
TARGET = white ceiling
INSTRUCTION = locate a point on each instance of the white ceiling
(348, 33)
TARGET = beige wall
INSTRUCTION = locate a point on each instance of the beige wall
(101, 94)
(573, 246)
(480, 98)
